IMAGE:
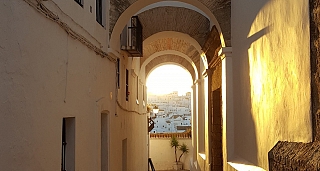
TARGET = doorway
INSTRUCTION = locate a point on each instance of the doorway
(216, 131)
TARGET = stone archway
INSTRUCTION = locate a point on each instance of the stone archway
(170, 58)
(121, 11)
(182, 36)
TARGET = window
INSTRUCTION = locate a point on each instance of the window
(132, 37)
(137, 89)
(99, 12)
(124, 155)
(80, 2)
(68, 144)
(118, 73)
(143, 95)
(104, 141)
(127, 85)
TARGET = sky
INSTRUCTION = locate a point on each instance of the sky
(168, 78)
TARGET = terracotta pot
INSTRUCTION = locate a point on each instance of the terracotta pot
(177, 166)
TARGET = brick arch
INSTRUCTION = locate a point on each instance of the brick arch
(171, 56)
(173, 34)
(122, 10)
(169, 59)
(173, 44)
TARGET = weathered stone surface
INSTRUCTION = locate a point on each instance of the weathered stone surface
(294, 156)
(216, 121)
(169, 44)
(216, 78)
(315, 65)
(212, 45)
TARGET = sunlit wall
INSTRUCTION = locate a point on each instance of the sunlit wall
(271, 64)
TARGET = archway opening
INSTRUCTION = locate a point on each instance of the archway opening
(169, 91)
(168, 78)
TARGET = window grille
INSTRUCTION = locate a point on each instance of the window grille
(118, 73)
(127, 85)
(131, 38)
(137, 88)
(64, 145)
(99, 11)
(80, 2)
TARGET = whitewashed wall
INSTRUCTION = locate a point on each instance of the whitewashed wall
(46, 75)
(162, 154)
(271, 77)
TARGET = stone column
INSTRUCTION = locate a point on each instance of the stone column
(208, 119)
(194, 123)
(227, 104)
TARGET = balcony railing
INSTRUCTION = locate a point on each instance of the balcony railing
(131, 38)
(151, 124)
(151, 165)
(186, 134)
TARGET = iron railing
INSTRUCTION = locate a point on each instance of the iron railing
(150, 165)
(64, 146)
(186, 134)
(80, 2)
(131, 38)
(151, 124)
(99, 11)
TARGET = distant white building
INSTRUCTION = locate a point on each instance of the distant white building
(174, 114)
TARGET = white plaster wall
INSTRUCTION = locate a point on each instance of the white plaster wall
(47, 75)
(271, 71)
(162, 154)
(85, 21)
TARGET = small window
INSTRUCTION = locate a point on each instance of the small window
(137, 89)
(80, 2)
(143, 92)
(118, 73)
(127, 85)
(68, 144)
(104, 141)
(99, 12)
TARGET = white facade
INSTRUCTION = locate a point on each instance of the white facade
(174, 111)
(163, 155)
(47, 75)
(59, 71)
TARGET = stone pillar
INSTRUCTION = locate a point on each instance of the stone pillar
(194, 110)
(208, 119)
(227, 103)
(200, 116)
(315, 66)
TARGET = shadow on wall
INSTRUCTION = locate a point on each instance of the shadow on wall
(245, 140)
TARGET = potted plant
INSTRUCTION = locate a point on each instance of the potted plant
(178, 165)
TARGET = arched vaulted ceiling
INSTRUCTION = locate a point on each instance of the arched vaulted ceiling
(218, 11)
(175, 19)
(185, 50)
